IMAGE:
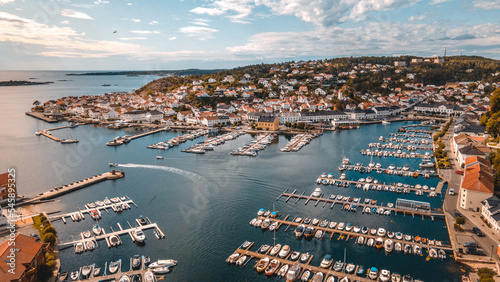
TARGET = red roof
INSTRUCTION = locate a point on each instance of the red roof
(26, 249)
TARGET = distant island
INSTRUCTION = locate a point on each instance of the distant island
(22, 83)
(156, 72)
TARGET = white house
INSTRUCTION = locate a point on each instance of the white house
(477, 183)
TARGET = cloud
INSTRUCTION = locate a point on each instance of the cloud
(153, 22)
(65, 22)
(129, 4)
(419, 18)
(145, 31)
(202, 33)
(172, 38)
(203, 22)
(132, 38)
(207, 11)
(75, 14)
(6, 1)
(487, 4)
(101, 2)
(434, 2)
(136, 20)
(377, 38)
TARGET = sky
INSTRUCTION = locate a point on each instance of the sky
(208, 34)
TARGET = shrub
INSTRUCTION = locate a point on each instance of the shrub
(51, 263)
(49, 238)
(49, 229)
(460, 220)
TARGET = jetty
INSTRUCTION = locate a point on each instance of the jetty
(393, 187)
(105, 236)
(65, 189)
(298, 141)
(395, 171)
(125, 139)
(351, 234)
(211, 143)
(359, 204)
(80, 213)
(259, 143)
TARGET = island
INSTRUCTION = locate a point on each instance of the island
(22, 83)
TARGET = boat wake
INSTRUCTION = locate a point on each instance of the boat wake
(196, 178)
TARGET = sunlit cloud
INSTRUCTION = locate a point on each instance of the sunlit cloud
(153, 22)
(6, 1)
(75, 14)
(145, 31)
(201, 33)
(487, 4)
(136, 20)
(172, 38)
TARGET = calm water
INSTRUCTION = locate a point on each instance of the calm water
(203, 203)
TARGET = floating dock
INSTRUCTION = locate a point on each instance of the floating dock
(61, 190)
(87, 210)
(298, 142)
(351, 234)
(398, 172)
(391, 186)
(118, 233)
(360, 204)
(254, 146)
(122, 140)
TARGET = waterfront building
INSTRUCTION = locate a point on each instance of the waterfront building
(268, 123)
(29, 256)
(491, 212)
(440, 109)
(4, 188)
(477, 183)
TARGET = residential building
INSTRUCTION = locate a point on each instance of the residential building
(29, 256)
(490, 210)
(477, 183)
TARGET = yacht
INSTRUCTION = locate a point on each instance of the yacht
(149, 277)
(318, 277)
(305, 276)
(316, 193)
(326, 262)
(114, 265)
(239, 262)
(138, 235)
(96, 230)
(275, 250)
(283, 270)
(79, 247)
(395, 277)
(304, 257)
(338, 266)
(293, 272)
(113, 164)
(385, 275)
(284, 251)
(373, 273)
(381, 232)
(388, 245)
(272, 267)
(165, 263)
(309, 232)
(425, 164)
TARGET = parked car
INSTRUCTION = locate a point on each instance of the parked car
(451, 191)
(461, 172)
(477, 231)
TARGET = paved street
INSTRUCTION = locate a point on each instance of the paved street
(492, 239)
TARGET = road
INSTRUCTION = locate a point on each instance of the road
(491, 240)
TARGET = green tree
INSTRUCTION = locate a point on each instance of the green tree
(49, 238)
(49, 229)
(36, 103)
(460, 220)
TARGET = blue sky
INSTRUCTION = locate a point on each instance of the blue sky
(175, 34)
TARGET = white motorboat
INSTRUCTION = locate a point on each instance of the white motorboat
(149, 277)
(114, 240)
(293, 272)
(388, 245)
(159, 157)
(275, 250)
(316, 193)
(385, 275)
(86, 271)
(284, 251)
(138, 235)
(113, 266)
(79, 247)
(163, 263)
(96, 230)
(160, 270)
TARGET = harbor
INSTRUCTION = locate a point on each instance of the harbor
(259, 143)
(342, 231)
(299, 141)
(46, 133)
(329, 271)
(117, 141)
(177, 140)
(211, 143)
(113, 237)
(367, 205)
(116, 204)
(381, 186)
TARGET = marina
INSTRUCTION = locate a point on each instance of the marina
(116, 204)
(380, 186)
(117, 141)
(211, 143)
(391, 170)
(259, 143)
(177, 140)
(355, 203)
(298, 141)
(339, 269)
(113, 238)
(347, 230)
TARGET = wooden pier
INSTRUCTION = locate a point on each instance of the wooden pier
(393, 185)
(61, 190)
(351, 234)
(105, 236)
(123, 140)
(87, 210)
(295, 144)
(48, 135)
(395, 171)
(360, 204)
(257, 143)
